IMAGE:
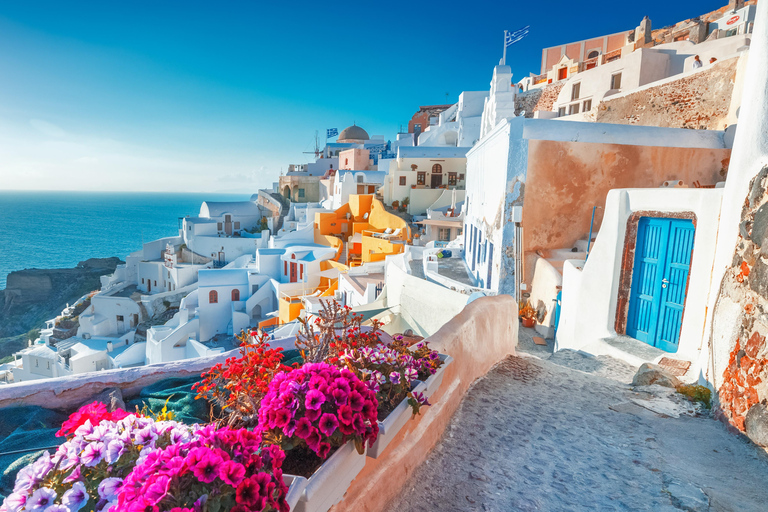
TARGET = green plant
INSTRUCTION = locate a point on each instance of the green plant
(166, 303)
(696, 393)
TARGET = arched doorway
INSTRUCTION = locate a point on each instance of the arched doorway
(287, 192)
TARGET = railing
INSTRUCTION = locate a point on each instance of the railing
(611, 56)
(539, 79)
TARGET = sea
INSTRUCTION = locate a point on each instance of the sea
(60, 229)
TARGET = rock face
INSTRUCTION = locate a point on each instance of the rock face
(649, 374)
(34, 295)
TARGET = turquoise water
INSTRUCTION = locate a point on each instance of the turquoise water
(60, 229)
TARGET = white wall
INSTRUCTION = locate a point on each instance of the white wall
(591, 290)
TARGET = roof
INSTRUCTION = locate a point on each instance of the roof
(219, 208)
(353, 132)
(431, 152)
(222, 277)
(370, 176)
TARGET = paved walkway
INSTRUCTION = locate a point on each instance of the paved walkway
(546, 432)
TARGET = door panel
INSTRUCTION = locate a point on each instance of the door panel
(293, 272)
(660, 278)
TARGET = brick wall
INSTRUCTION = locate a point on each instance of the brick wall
(698, 101)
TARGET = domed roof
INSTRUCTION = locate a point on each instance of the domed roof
(353, 132)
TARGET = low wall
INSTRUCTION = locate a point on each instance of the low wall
(480, 336)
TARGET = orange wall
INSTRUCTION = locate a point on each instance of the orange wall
(566, 179)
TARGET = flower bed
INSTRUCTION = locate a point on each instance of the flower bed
(280, 437)
(434, 381)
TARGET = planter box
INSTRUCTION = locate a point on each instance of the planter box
(296, 485)
(392, 424)
(434, 381)
(330, 482)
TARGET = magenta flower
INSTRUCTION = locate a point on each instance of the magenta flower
(328, 424)
(394, 377)
(356, 401)
(157, 490)
(232, 473)
(339, 396)
(282, 417)
(346, 414)
(313, 439)
(323, 450)
(315, 399)
(313, 414)
(208, 468)
(303, 428)
(248, 493)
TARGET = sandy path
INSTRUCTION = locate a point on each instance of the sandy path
(537, 434)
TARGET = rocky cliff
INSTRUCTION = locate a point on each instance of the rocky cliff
(33, 296)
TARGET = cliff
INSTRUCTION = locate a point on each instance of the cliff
(33, 296)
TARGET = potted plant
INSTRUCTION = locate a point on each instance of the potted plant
(527, 314)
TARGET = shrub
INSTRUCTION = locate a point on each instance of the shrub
(238, 385)
(318, 406)
(219, 470)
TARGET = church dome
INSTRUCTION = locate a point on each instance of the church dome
(353, 132)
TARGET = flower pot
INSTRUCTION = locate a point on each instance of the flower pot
(330, 482)
(393, 423)
(296, 485)
(528, 322)
(433, 382)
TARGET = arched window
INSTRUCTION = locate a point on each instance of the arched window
(437, 169)
(213, 297)
(235, 295)
(593, 54)
(360, 178)
(346, 161)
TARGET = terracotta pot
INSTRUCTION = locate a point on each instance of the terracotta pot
(528, 322)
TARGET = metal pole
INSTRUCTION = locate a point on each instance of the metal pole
(504, 56)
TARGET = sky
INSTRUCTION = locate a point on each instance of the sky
(189, 96)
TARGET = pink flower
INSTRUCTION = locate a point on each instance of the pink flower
(346, 414)
(208, 468)
(328, 424)
(232, 473)
(315, 399)
(303, 428)
(248, 493)
(282, 417)
(356, 401)
(15, 502)
(313, 440)
(313, 414)
(157, 490)
(93, 454)
(323, 450)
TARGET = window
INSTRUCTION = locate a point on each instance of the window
(402, 181)
(346, 161)
(189, 228)
(561, 112)
(461, 177)
(573, 109)
(562, 73)
(142, 280)
(437, 169)
(593, 54)
(731, 32)
(417, 127)
(587, 106)
(37, 362)
(48, 363)
(155, 283)
(371, 189)
(575, 90)
(219, 226)
(360, 178)
(301, 192)
(616, 81)
(285, 267)
(235, 295)
(213, 297)
(237, 225)
(119, 318)
(301, 271)
(421, 178)
(451, 178)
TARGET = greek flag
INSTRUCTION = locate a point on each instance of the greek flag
(332, 132)
(513, 37)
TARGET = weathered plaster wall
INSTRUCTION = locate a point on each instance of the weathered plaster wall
(480, 336)
(546, 100)
(700, 100)
(566, 179)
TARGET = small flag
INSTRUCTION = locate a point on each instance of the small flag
(332, 132)
(513, 37)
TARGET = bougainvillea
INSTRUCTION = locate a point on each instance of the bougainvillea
(238, 385)
(319, 406)
(86, 471)
(219, 470)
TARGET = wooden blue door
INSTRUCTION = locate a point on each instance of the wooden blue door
(659, 281)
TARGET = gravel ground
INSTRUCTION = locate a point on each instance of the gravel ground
(566, 432)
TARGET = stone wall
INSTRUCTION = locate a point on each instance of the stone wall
(744, 293)
(699, 101)
(535, 100)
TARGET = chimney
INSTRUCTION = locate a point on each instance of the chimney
(735, 5)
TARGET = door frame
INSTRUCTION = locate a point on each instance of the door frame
(628, 262)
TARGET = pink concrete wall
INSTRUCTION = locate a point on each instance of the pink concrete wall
(483, 334)
(566, 179)
(573, 51)
(615, 42)
(354, 159)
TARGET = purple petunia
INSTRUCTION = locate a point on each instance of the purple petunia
(108, 488)
(40, 499)
(15, 502)
(394, 377)
(328, 424)
(76, 497)
(93, 454)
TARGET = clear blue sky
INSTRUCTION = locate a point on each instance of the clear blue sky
(218, 96)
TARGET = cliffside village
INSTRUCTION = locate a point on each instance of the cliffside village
(605, 191)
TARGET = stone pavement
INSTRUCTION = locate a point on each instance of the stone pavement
(544, 432)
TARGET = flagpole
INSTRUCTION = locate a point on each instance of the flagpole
(504, 56)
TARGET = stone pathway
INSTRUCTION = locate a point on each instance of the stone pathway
(565, 432)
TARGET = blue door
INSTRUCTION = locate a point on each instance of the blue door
(659, 281)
